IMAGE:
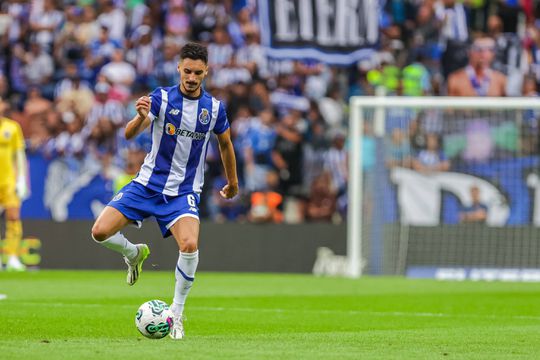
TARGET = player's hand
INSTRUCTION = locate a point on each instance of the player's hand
(21, 189)
(229, 191)
(142, 105)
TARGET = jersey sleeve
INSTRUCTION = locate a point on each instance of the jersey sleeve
(222, 123)
(155, 103)
(18, 138)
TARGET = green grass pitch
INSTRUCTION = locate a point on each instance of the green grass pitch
(90, 315)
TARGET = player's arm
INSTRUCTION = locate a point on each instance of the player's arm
(21, 166)
(453, 85)
(22, 175)
(226, 150)
(141, 121)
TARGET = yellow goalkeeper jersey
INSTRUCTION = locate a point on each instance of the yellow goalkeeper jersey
(11, 140)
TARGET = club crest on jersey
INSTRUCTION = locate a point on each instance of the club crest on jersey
(204, 116)
(170, 129)
(7, 134)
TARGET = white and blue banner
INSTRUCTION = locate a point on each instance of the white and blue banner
(339, 32)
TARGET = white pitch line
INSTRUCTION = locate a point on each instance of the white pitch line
(314, 311)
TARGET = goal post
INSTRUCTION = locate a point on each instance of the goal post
(403, 214)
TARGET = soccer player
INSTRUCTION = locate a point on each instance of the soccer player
(13, 186)
(168, 186)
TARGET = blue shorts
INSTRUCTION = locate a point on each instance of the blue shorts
(137, 202)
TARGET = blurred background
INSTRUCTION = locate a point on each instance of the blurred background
(70, 72)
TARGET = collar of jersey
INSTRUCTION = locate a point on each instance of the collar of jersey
(190, 97)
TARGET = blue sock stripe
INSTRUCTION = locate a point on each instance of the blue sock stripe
(184, 274)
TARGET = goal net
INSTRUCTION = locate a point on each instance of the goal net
(444, 187)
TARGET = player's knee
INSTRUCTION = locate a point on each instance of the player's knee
(99, 233)
(188, 245)
(13, 214)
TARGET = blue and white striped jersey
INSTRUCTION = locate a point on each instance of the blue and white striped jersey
(181, 127)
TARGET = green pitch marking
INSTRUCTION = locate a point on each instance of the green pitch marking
(90, 315)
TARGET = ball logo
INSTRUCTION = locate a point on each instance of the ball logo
(162, 328)
(204, 116)
(170, 129)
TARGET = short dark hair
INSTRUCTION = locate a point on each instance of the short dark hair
(194, 51)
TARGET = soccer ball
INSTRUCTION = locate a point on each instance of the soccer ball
(154, 319)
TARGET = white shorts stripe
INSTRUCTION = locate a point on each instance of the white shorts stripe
(169, 225)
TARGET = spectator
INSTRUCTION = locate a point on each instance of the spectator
(35, 103)
(102, 49)
(177, 22)
(315, 146)
(38, 69)
(104, 107)
(220, 50)
(416, 78)
(431, 158)
(425, 37)
(207, 15)
(508, 55)
(258, 97)
(287, 153)
(240, 26)
(70, 81)
(19, 13)
(38, 135)
(120, 74)
(166, 70)
(258, 150)
(335, 161)
(477, 211)
(70, 143)
(67, 46)
(266, 203)
(45, 23)
(321, 204)
(113, 19)
(252, 56)
(88, 30)
(286, 96)
(142, 56)
(454, 34)
(398, 150)
(478, 78)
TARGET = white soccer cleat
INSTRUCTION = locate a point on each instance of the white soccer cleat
(135, 266)
(177, 332)
(15, 264)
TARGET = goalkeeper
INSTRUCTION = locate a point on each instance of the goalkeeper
(13, 186)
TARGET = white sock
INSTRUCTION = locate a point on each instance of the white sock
(185, 275)
(121, 244)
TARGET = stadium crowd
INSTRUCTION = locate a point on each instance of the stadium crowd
(70, 71)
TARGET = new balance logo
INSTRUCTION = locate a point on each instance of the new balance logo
(174, 112)
(193, 209)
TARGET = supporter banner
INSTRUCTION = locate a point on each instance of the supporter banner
(334, 32)
(510, 189)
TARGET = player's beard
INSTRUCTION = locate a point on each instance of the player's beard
(191, 88)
